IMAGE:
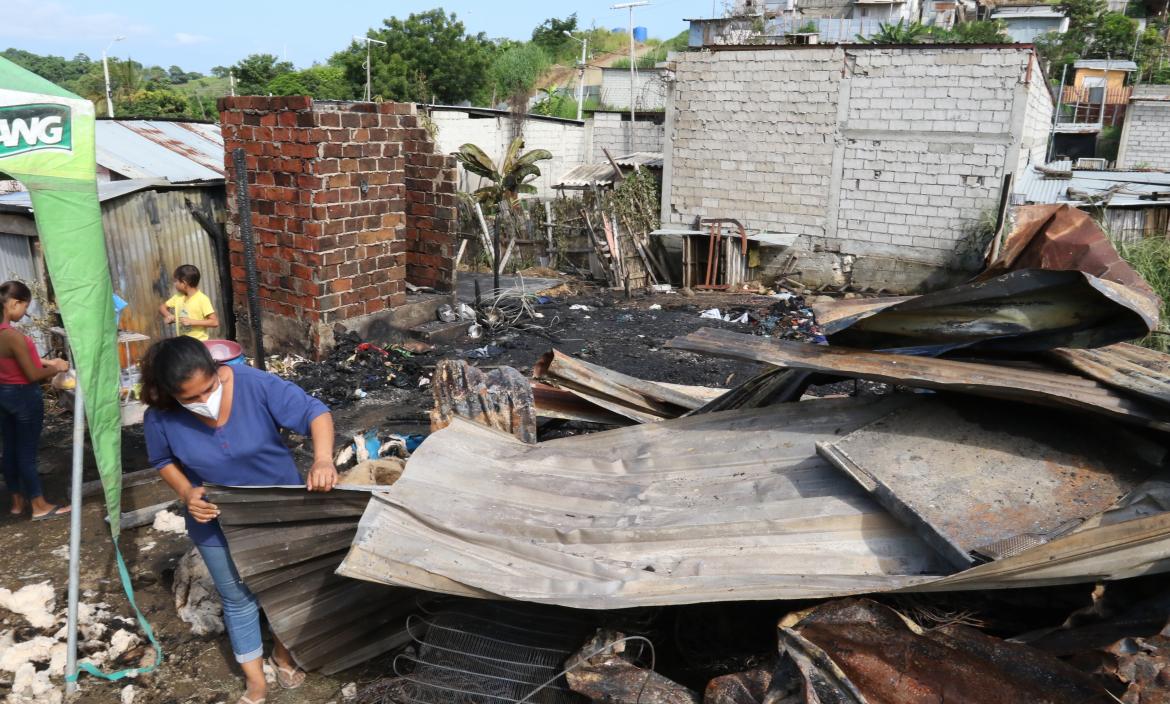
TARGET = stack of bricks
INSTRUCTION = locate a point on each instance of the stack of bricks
(330, 185)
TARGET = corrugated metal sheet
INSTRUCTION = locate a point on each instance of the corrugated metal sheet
(286, 543)
(726, 506)
(175, 151)
(720, 507)
(589, 175)
(1103, 64)
(1035, 386)
(148, 234)
(20, 201)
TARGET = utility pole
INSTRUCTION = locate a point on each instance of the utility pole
(232, 82)
(630, 6)
(580, 73)
(368, 41)
(106, 70)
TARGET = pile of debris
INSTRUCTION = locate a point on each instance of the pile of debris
(1023, 447)
(1021, 459)
(354, 369)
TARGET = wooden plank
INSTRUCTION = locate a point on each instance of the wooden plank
(485, 235)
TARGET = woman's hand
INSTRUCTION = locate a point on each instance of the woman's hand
(322, 476)
(57, 365)
(200, 509)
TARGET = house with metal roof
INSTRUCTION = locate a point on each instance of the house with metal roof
(1025, 23)
(169, 150)
(1133, 204)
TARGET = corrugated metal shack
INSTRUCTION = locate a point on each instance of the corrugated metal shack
(1132, 205)
(163, 204)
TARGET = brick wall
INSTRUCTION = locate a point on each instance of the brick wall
(611, 131)
(1144, 140)
(892, 154)
(329, 185)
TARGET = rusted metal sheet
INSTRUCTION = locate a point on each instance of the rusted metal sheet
(1057, 283)
(552, 402)
(175, 151)
(637, 399)
(967, 477)
(1137, 370)
(501, 398)
(641, 515)
(287, 543)
(148, 235)
(859, 651)
(1033, 386)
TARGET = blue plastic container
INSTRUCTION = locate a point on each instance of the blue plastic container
(640, 34)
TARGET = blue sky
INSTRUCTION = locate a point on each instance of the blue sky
(199, 35)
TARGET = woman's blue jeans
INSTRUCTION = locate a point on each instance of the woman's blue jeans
(241, 608)
(22, 416)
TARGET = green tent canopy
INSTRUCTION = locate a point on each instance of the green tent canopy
(47, 143)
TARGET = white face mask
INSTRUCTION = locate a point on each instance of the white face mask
(209, 408)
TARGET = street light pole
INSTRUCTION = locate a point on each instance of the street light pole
(106, 71)
(630, 6)
(368, 41)
(580, 73)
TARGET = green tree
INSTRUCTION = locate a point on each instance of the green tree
(510, 178)
(155, 103)
(57, 69)
(429, 54)
(320, 82)
(256, 71)
(516, 70)
(550, 36)
(221, 71)
(1114, 37)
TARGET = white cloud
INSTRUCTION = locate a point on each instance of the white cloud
(36, 20)
(185, 39)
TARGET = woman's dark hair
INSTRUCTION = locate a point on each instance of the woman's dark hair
(14, 291)
(167, 364)
(188, 274)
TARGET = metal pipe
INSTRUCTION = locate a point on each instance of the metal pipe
(244, 210)
(75, 539)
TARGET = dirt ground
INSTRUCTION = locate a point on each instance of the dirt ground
(625, 335)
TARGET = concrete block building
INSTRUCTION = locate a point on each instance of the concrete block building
(1144, 140)
(887, 163)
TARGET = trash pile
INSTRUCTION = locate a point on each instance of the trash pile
(1015, 461)
(1019, 460)
(33, 642)
(354, 369)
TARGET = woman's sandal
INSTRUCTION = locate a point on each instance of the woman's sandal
(287, 677)
(245, 700)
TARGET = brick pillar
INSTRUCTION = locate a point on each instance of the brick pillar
(431, 181)
(329, 209)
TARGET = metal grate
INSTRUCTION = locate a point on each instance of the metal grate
(488, 653)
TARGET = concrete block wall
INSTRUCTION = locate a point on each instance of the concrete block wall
(564, 138)
(894, 154)
(1145, 138)
(329, 191)
(1037, 119)
(609, 130)
(649, 90)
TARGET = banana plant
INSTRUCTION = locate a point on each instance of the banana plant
(510, 178)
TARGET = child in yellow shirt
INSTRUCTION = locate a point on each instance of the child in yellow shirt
(190, 306)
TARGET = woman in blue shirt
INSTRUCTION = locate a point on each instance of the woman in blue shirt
(221, 425)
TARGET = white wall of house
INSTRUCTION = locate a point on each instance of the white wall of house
(883, 169)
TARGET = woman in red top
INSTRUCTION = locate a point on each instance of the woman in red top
(22, 408)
